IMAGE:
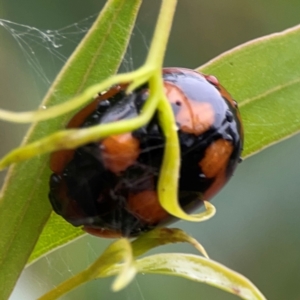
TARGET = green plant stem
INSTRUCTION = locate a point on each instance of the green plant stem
(162, 32)
(67, 286)
(154, 60)
(69, 139)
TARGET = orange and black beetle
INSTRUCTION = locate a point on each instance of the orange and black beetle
(109, 186)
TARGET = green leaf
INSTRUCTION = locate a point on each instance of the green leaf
(24, 205)
(264, 77)
(194, 268)
(200, 269)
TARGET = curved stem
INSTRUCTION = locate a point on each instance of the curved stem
(162, 32)
(72, 138)
(154, 62)
(168, 178)
(72, 104)
(69, 139)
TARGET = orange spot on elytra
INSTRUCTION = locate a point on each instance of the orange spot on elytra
(119, 152)
(214, 165)
(194, 117)
(216, 156)
(145, 206)
(59, 159)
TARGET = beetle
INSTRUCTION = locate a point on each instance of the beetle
(110, 186)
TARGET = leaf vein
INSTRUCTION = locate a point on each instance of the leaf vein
(269, 92)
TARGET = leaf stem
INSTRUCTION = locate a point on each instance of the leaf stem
(162, 32)
(154, 61)
(153, 65)
(67, 286)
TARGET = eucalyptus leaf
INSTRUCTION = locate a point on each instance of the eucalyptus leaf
(24, 207)
(200, 269)
(263, 75)
(194, 268)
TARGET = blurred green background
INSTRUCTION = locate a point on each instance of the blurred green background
(257, 227)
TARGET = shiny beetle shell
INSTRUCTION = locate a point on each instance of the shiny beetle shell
(109, 186)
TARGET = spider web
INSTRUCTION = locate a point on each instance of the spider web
(45, 52)
(57, 45)
(57, 266)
